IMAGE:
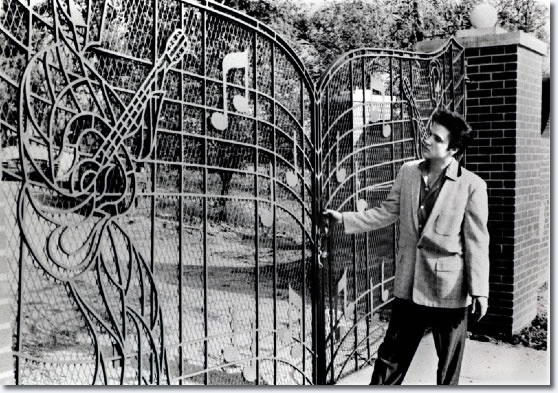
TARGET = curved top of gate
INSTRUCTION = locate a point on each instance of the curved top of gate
(255, 24)
(325, 79)
(117, 100)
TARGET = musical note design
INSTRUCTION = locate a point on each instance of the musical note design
(266, 213)
(249, 371)
(386, 127)
(384, 292)
(340, 173)
(294, 324)
(348, 309)
(292, 178)
(361, 205)
(79, 243)
(232, 61)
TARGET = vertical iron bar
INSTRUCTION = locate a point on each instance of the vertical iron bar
(365, 178)
(19, 315)
(330, 256)
(274, 121)
(464, 84)
(303, 194)
(153, 212)
(463, 71)
(393, 172)
(355, 191)
(181, 223)
(256, 234)
(319, 363)
(153, 206)
(452, 76)
(205, 174)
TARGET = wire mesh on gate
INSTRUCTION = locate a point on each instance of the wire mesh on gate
(162, 170)
(165, 195)
(375, 106)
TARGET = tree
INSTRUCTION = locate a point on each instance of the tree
(529, 16)
(341, 26)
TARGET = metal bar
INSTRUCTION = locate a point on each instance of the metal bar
(318, 309)
(464, 84)
(205, 175)
(452, 79)
(365, 164)
(181, 223)
(355, 195)
(19, 316)
(153, 213)
(330, 265)
(272, 185)
(256, 190)
(303, 316)
(393, 171)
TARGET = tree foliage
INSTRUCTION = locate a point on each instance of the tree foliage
(525, 15)
(338, 26)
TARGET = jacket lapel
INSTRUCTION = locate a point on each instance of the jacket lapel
(415, 196)
(446, 193)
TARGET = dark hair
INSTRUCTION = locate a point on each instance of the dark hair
(461, 134)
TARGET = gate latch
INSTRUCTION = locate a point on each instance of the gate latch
(323, 239)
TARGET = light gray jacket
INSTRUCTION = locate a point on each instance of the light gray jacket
(448, 263)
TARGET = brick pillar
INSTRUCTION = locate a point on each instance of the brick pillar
(511, 155)
(6, 357)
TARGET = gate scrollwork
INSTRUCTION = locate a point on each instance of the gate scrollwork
(81, 149)
(167, 161)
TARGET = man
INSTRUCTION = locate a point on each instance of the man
(442, 261)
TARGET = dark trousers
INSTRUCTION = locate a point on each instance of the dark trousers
(405, 330)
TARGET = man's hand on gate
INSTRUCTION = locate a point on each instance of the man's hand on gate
(480, 305)
(334, 216)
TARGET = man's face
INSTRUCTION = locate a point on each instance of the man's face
(435, 147)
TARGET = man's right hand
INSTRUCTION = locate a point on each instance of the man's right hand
(333, 215)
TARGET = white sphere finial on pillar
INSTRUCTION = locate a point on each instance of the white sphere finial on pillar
(483, 16)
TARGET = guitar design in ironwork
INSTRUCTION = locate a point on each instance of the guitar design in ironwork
(70, 203)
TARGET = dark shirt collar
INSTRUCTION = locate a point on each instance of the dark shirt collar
(451, 171)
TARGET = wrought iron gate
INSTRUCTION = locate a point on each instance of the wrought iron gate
(160, 168)
(374, 106)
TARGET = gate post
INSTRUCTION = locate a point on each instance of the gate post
(513, 156)
(6, 357)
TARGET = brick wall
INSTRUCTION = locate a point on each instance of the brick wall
(511, 155)
(491, 111)
(544, 180)
(528, 188)
(504, 105)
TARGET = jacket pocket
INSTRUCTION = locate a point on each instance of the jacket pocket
(449, 278)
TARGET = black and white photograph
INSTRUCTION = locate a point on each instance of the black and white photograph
(275, 192)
